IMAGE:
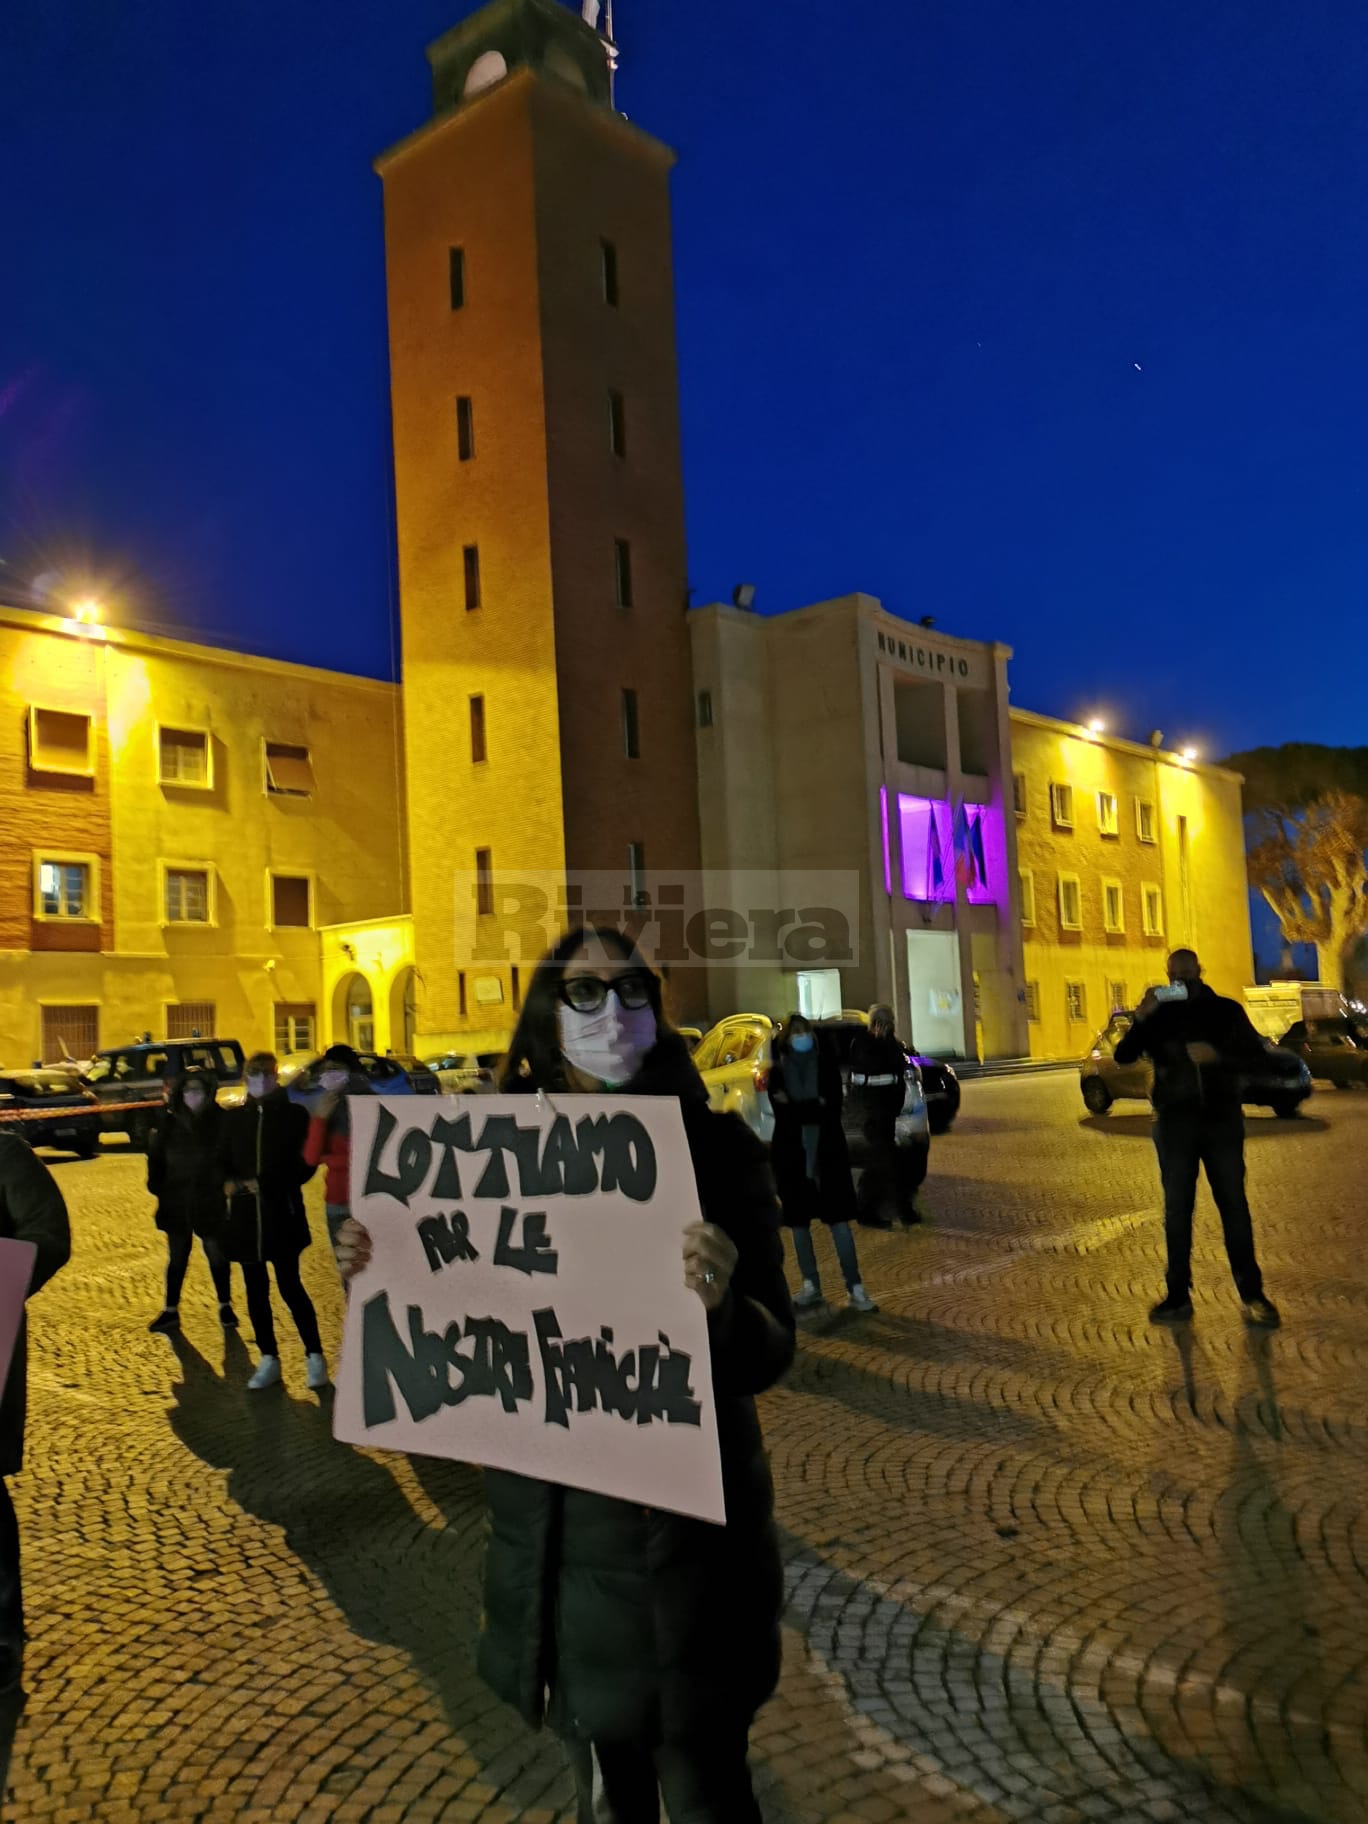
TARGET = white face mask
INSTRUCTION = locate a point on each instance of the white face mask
(334, 1081)
(610, 1044)
(195, 1102)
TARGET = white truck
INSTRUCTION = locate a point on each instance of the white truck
(1275, 1006)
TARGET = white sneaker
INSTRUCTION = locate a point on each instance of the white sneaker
(860, 1300)
(316, 1372)
(267, 1374)
(808, 1297)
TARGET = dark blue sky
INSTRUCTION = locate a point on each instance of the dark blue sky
(1047, 320)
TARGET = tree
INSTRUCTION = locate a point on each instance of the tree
(1307, 813)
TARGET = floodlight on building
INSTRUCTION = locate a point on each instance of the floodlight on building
(1189, 753)
(743, 596)
(1096, 726)
(88, 612)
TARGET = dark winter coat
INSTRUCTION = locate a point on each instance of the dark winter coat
(832, 1199)
(616, 1622)
(1213, 1090)
(264, 1140)
(31, 1209)
(183, 1165)
(877, 1103)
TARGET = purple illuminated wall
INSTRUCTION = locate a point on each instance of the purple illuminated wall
(934, 843)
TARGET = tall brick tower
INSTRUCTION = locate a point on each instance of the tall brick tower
(538, 486)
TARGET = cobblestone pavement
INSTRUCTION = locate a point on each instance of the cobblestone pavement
(1045, 1562)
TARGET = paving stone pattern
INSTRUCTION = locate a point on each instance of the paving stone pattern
(1044, 1561)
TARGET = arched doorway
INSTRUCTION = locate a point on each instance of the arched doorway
(404, 1011)
(354, 1011)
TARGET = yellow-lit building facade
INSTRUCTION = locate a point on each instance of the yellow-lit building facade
(194, 841)
(1124, 852)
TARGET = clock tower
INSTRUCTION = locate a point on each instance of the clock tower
(539, 496)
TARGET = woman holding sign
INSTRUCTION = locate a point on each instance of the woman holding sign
(647, 1640)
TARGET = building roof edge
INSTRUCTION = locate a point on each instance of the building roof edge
(57, 626)
(1140, 748)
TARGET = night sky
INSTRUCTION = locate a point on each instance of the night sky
(1047, 320)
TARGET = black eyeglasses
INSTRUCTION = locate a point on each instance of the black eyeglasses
(587, 993)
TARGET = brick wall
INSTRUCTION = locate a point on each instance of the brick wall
(44, 812)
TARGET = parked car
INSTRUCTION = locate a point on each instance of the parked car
(138, 1074)
(1282, 1083)
(467, 1073)
(1335, 1050)
(734, 1061)
(692, 1037)
(388, 1076)
(50, 1108)
(940, 1085)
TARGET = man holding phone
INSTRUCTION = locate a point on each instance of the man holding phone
(1198, 1043)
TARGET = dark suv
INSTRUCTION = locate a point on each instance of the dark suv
(130, 1080)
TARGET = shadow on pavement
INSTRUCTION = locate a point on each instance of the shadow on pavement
(1257, 1127)
(1264, 1588)
(395, 1580)
(903, 1407)
(1184, 1343)
(11, 1710)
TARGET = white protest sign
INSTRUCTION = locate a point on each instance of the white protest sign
(525, 1305)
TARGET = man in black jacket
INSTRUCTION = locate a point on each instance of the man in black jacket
(878, 1087)
(1198, 1043)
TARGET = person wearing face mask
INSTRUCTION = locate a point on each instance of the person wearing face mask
(183, 1176)
(262, 1171)
(647, 1640)
(328, 1142)
(878, 1085)
(811, 1161)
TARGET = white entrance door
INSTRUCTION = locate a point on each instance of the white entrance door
(819, 993)
(935, 993)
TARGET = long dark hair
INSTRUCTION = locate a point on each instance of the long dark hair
(534, 1053)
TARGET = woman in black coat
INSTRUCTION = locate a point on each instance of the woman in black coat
(262, 1169)
(646, 1639)
(31, 1209)
(811, 1160)
(183, 1176)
